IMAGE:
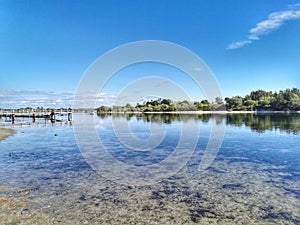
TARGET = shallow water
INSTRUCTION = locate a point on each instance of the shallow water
(255, 178)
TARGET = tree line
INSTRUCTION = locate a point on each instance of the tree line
(283, 100)
(286, 100)
(159, 105)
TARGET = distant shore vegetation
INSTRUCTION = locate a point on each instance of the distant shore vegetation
(260, 100)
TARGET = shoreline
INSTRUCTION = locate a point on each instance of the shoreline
(5, 133)
(205, 112)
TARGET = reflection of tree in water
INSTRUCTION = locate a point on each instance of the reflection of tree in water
(169, 118)
(289, 123)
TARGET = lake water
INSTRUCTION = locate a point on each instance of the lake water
(254, 178)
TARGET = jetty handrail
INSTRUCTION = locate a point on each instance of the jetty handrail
(12, 114)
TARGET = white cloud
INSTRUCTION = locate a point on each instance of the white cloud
(275, 21)
(294, 6)
(238, 44)
(87, 100)
(23, 98)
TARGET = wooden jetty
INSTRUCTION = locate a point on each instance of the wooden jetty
(12, 115)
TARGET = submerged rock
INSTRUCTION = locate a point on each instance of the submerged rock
(232, 186)
(131, 186)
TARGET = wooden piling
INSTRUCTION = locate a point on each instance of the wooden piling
(69, 116)
(33, 118)
(12, 118)
(52, 117)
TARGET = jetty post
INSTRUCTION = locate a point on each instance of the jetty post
(52, 117)
(69, 116)
(13, 117)
(33, 118)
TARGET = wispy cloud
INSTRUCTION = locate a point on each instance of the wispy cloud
(26, 98)
(94, 99)
(239, 44)
(275, 21)
(35, 98)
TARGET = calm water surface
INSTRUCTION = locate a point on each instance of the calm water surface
(255, 178)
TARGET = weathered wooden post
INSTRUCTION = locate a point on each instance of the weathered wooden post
(69, 116)
(52, 117)
(33, 118)
(45, 116)
(13, 117)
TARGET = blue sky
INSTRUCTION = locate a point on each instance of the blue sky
(46, 46)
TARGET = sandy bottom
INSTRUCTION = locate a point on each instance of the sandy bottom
(227, 193)
(4, 133)
(15, 208)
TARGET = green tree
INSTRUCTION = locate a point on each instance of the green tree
(234, 103)
(166, 101)
(250, 104)
(198, 106)
(206, 105)
(103, 109)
